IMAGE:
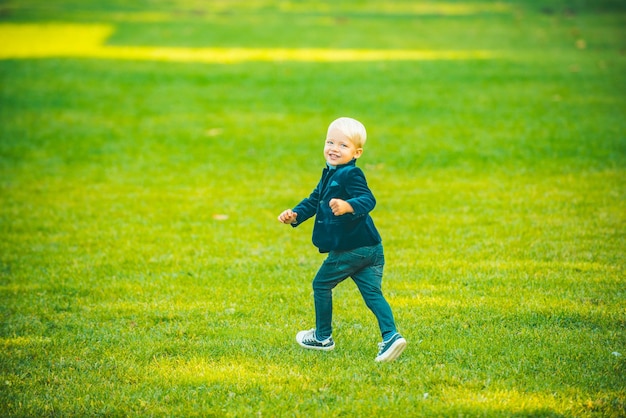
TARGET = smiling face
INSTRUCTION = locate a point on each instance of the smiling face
(339, 149)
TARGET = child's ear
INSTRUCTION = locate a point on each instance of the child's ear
(358, 153)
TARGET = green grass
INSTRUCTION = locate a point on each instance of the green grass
(500, 187)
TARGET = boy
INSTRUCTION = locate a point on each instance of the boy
(343, 228)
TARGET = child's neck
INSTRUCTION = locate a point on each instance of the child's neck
(334, 167)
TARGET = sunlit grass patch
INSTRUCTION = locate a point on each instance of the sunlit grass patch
(51, 39)
(233, 55)
(17, 342)
(235, 369)
(88, 41)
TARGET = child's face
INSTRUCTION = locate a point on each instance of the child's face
(339, 149)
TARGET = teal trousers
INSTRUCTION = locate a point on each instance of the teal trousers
(365, 266)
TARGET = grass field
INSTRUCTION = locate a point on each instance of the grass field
(147, 149)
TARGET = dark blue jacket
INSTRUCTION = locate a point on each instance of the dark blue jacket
(344, 232)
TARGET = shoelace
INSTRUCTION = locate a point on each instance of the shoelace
(310, 338)
(383, 344)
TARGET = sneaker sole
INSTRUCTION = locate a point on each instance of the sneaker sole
(310, 347)
(394, 351)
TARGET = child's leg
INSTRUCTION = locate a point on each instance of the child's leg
(330, 274)
(369, 282)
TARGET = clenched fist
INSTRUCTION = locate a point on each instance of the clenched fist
(340, 207)
(288, 217)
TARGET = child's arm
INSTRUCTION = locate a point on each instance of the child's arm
(361, 200)
(303, 210)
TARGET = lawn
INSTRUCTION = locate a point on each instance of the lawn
(147, 149)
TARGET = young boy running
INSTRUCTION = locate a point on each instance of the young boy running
(343, 228)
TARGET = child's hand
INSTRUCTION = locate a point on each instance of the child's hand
(340, 207)
(288, 217)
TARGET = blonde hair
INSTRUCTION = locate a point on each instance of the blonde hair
(352, 128)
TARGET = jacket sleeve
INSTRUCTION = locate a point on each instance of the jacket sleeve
(361, 198)
(307, 207)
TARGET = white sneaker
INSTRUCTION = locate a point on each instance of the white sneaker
(307, 339)
(391, 349)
